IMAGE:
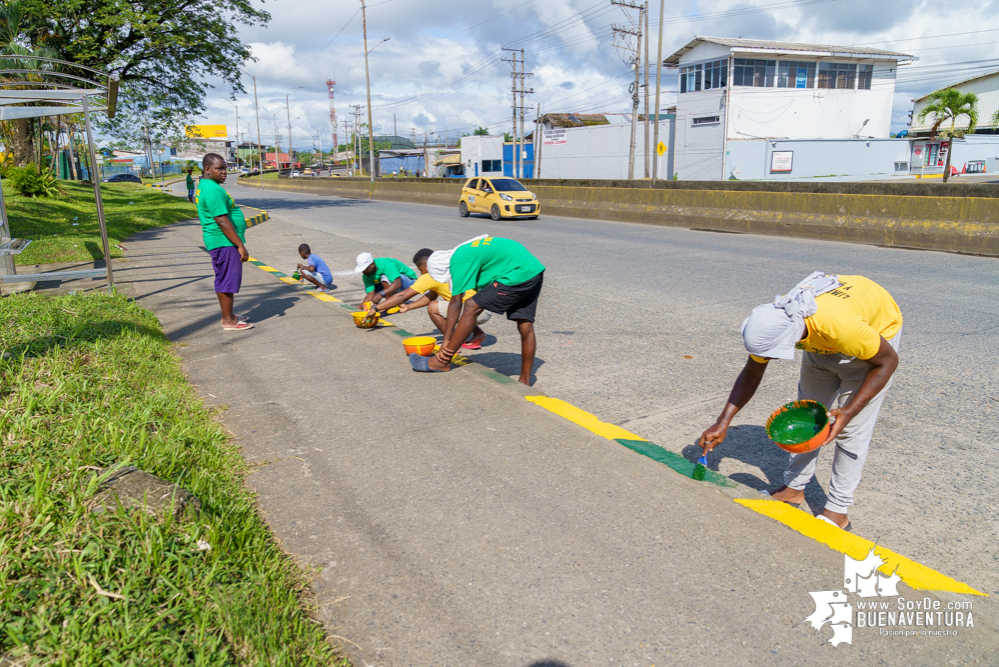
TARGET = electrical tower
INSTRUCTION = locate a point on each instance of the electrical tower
(518, 58)
(330, 83)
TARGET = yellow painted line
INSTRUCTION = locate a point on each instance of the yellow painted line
(286, 279)
(583, 418)
(323, 297)
(914, 574)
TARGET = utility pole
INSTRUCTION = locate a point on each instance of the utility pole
(659, 71)
(523, 134)
(357, 134)
(260, 158)
(367, 77)
(237, 130)
(539, 142)
(395, 126)
(346, 136)
(426, 168)
(287, 108)
(330, 84)
(517, 57)
(634, 31)
(646, 63)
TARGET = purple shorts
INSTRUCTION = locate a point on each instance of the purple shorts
(228, 269)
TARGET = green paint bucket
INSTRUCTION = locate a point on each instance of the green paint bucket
(799, 427)
(296, 276)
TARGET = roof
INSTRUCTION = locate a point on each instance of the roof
(959, 83)
(766, 46)
(587, 119)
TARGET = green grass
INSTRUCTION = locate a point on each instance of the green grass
(92, 381)
(48, 222)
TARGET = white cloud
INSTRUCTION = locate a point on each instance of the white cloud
(432, 78)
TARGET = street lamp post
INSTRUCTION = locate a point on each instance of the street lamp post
(237, 130)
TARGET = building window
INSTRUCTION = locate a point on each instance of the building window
(795, 74)
(715, 74)
(837, 75)
(756, 73)
(865, 76)
(492, 165)
(707, 120)
(690, 78)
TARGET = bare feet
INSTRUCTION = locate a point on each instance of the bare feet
(437, 365)
(786, 494)
(841, 520)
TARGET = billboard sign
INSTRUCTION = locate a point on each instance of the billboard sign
(553, 136)
(206, 131)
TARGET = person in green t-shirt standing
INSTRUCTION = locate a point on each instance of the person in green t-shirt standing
(222, 228)
(190, 185)
(507, 279)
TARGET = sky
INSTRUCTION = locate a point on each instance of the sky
(441, 69)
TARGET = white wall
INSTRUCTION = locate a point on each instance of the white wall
(601, 152)
(475, 149)
(856, 159)
(793, 113)
(699, 148)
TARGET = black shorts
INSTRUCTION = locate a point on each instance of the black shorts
(519, 302)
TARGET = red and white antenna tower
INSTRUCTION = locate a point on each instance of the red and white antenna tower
(330, 83)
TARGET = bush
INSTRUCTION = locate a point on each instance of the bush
(29, 182)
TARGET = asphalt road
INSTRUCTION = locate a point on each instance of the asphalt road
(639, 325)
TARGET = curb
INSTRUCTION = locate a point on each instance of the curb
(254, 220)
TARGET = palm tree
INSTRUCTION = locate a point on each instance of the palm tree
(481, 132)
(950, 104)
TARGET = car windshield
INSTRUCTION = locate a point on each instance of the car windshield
(508, 185)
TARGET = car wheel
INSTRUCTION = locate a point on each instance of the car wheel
(463, 209)
(495, 212)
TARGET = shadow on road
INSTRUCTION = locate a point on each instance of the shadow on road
(749, 443)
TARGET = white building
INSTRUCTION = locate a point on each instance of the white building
(741, 90)
(482, 155)
(985, 86)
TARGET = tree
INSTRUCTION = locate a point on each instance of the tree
(164, 51)
(950, 104)
(481, 132)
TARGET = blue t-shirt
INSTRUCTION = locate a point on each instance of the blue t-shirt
(321, 268)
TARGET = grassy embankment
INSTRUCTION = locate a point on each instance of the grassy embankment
(90, 380)
(49, 222)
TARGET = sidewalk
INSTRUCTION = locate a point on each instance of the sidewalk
(452, 522)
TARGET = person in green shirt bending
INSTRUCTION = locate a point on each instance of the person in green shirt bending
(382, 277)
(507, 279)
(190, 185)
(222, 228)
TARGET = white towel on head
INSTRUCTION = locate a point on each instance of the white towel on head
(439, 262)
(773, 329)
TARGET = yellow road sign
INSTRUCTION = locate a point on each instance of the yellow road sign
(661, 148)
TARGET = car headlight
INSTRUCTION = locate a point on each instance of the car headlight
(505, 197)
(532, 195)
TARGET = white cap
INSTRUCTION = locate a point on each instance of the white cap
(364, 260)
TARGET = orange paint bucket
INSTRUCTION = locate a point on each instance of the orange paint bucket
(421, 345)
(799, 426)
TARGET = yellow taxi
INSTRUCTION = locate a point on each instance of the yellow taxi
(500, 197)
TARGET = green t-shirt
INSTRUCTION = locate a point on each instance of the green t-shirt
(213, 201)
(387, 269)
(190, 182)
(479, 263)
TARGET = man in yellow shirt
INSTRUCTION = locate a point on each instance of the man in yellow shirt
(436, 296)
(850, 329)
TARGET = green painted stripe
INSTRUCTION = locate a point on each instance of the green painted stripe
(255, 263)
(676, 462)
(401, 332)
(499, 377)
